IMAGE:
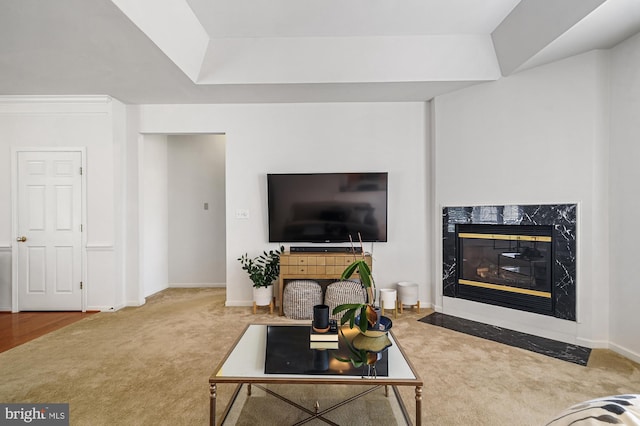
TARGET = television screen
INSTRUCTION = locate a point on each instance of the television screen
(327, 207)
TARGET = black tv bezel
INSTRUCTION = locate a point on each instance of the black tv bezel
(327, 241)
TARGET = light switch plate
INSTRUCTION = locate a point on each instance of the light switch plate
(242, 213)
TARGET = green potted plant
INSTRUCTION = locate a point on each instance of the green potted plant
(263, 270)
(365, 349)
(365, 315)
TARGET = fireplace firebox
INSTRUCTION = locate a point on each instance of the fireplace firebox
(509, 266)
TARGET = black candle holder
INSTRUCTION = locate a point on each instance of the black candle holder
(320, 318)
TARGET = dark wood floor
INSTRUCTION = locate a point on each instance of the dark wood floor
(19, 328)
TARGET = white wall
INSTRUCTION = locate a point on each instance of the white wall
(625, 199)
(90, 122)
(119, 125)
(537, 137)
(314, 138)
(197, 237)
(154, 222)
(133, 291)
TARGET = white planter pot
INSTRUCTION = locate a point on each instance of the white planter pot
(407, 293)
(263, 296)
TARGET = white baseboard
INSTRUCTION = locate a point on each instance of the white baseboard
(238, 303)
(103, 308)
(156, 291)
(197, 285)
(135, 303)
(593, 344)
(427, 305)
(627, 353)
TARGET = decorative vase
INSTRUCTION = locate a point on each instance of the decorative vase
(262, 296)
(382, 326)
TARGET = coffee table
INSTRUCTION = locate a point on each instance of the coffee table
(246, 363)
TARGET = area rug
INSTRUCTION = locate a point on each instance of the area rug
(560, 350)
(263, 408)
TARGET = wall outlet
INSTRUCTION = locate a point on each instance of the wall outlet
(242, 213)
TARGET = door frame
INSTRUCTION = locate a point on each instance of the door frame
(15, 307)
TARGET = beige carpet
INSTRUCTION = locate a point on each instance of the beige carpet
(373, 409)
(151, 365)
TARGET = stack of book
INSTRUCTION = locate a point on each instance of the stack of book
(327, 340)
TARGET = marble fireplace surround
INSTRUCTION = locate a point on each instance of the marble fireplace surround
(562, 217)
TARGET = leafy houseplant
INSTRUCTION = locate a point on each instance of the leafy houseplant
(359, 357)
(365, 313)
(264, 269)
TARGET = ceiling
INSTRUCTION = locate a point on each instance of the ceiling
(245, 51)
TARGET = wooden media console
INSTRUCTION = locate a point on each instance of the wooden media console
(313, 266)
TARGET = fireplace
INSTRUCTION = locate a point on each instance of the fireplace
(509, 266)
(517, 256)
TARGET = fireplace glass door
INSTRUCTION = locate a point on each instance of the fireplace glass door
(508, 265)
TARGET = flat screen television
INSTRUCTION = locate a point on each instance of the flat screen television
(327, 207)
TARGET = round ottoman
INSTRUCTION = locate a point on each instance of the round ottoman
(342, 292)
(299, 298)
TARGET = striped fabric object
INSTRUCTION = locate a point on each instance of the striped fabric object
(610, 410)
(342, 292)
(299, 298)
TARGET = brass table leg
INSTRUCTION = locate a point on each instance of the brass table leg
(418, 405)
(212, 403)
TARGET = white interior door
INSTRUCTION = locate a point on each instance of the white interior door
(49, 212)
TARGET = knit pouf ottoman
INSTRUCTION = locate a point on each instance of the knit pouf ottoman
(342, 292)
(299, 298)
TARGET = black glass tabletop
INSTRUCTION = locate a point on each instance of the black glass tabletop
(289, 352)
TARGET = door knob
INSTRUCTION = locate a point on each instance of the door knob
(21, 239)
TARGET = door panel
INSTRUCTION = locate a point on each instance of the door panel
(49, 216)
(64, 270)
(35, 261)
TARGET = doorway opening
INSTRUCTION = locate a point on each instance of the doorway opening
(182, 211)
